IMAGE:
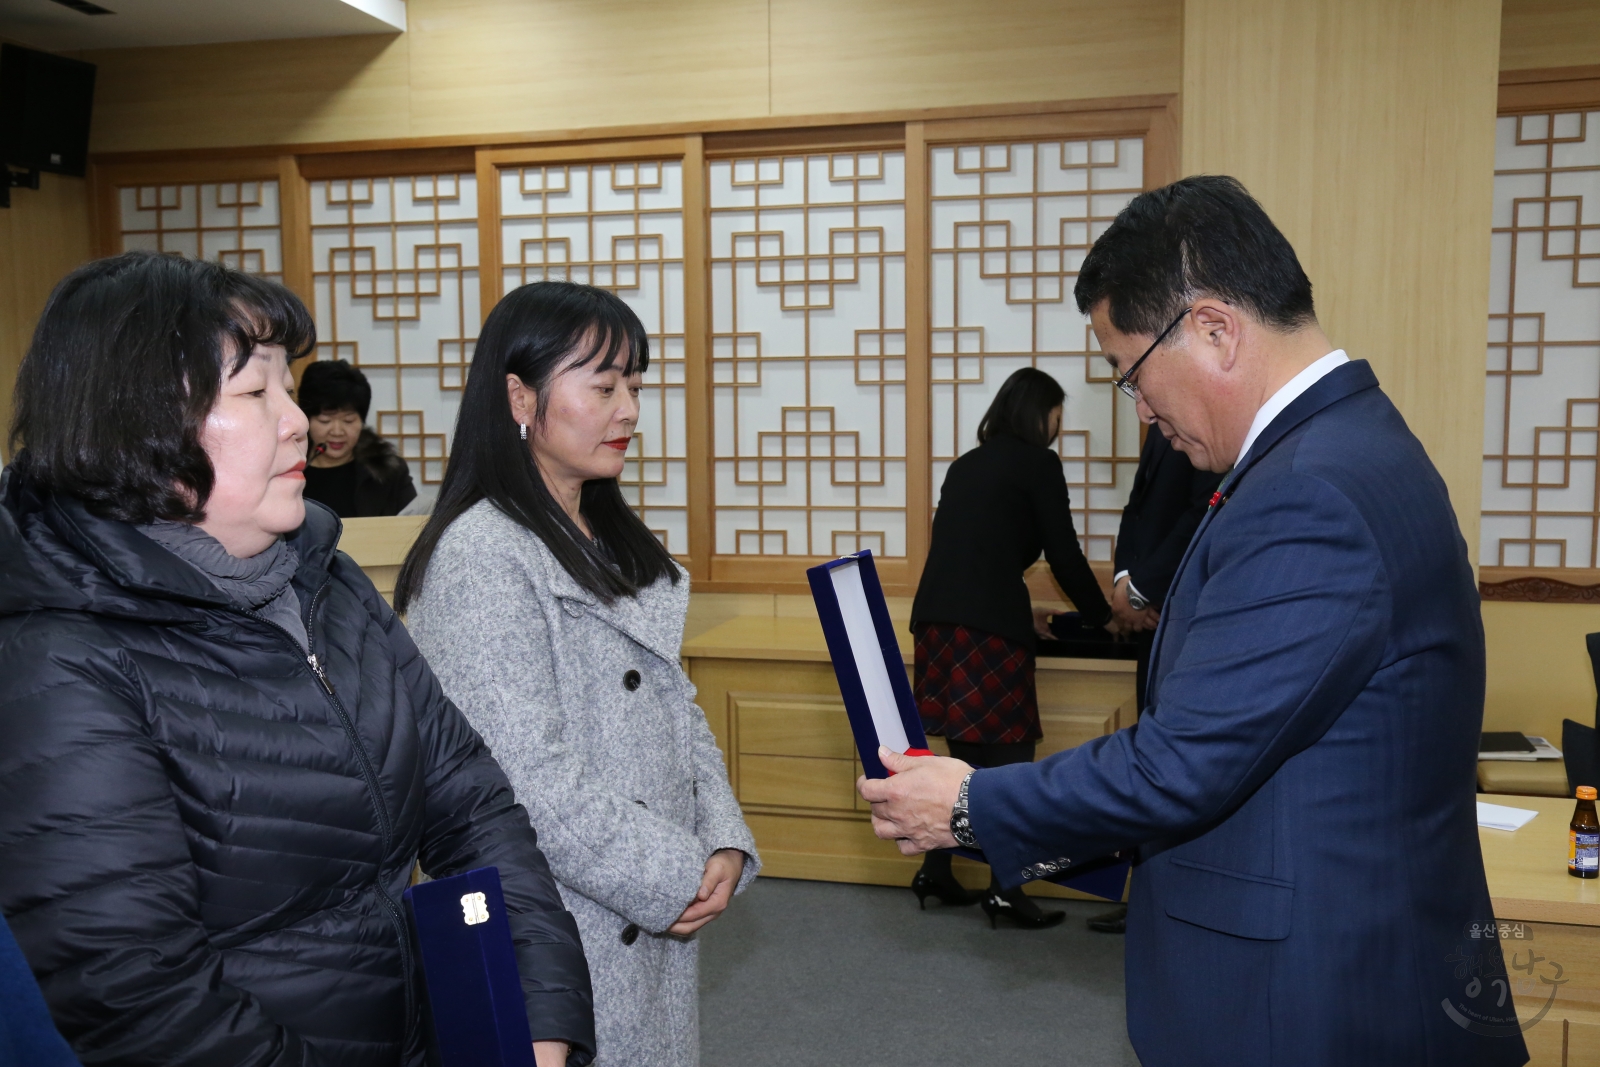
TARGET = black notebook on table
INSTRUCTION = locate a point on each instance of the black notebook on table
(1504, 741)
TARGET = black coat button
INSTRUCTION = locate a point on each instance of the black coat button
(630, 681)
(630, 934)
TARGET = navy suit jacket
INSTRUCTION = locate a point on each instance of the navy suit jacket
(1300, 789)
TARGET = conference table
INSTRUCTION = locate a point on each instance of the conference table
(1549, 924)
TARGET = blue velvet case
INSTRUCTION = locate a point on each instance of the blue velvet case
(479, 1017)
(878, 698)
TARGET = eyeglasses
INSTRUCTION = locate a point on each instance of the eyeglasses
(1125, 383)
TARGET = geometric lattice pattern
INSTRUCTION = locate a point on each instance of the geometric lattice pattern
(808, 350)
(233, 223)
(1011, 223)
(618, 226)
(395, 271)
(1541, 475)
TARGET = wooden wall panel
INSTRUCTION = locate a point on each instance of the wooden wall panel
(1369, 138)
(45, 233)
(252, 93)
(478, 68)
(1549, 33)
(854, 55)
(564, 64)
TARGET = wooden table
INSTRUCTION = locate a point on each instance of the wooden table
(1557, 917)
(768, 689)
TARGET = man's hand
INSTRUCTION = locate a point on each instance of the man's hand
(1124, 619)
(912, 808)
(723, 871)
(550, 1053)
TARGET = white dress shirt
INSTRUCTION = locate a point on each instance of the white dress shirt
(1289, 394)
(1273, 408)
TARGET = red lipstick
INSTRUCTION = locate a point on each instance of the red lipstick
(296, 471)
(619, 443)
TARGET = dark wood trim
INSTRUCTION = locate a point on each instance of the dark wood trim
(1540, 585)
(1549, 89)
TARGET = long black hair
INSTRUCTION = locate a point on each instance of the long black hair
(1022, 407)
(126, 363)
(534, 333)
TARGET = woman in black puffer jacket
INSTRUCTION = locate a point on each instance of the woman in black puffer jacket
(220, 753)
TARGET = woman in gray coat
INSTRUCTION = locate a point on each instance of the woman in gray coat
(553, 617)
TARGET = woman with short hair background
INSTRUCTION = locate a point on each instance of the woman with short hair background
(350, 468)
(554, 616)
(221, 756)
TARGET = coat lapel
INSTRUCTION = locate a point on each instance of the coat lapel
(1346, 380)
(654, 618)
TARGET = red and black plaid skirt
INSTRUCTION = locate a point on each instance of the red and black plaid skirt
(974, 686)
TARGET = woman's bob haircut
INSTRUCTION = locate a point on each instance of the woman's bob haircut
(1022, 407)
(537, 332)
(126, 363)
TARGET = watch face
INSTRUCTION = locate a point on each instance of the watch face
(1137, 603)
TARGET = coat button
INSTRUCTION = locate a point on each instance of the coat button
(630, 681)
(630, 934)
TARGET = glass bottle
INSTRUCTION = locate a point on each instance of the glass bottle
(1583, 837)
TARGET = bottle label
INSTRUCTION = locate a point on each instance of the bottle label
(1583, 851)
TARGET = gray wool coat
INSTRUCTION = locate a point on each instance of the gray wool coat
(625, 785)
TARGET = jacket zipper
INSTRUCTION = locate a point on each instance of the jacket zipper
(369, 776)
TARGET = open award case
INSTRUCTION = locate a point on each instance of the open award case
(477, 1015)
(878, 699)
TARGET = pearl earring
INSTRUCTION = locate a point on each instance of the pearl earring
(524, 433)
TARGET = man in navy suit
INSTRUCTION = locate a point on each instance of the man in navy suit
(1299, 793)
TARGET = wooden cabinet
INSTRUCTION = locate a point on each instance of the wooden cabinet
(768, 690)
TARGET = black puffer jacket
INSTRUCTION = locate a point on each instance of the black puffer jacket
(203, 850)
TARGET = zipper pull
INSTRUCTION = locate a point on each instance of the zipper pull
(316, 669)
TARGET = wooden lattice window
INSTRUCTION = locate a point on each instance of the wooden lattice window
(235, 223)
(395, 272)
(1541, 477)
(1010, 224)
(808, 353)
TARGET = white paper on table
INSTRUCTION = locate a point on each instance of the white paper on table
(868, 656)
(1500, 817)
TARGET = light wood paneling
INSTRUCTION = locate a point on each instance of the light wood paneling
(1538, 666)
(45, 233)
(1549, 33)
(1366, 129)
(258, 92)
(865, 54)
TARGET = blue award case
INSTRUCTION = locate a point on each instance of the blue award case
(478, 1015)
(878, 699)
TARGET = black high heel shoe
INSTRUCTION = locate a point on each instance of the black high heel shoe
(1020, 909)
(948, 891)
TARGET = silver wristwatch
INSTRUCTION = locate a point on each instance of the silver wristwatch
(1135, 601)
(960, 821)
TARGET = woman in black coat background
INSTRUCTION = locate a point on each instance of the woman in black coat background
(220, 753)
(1001, 505)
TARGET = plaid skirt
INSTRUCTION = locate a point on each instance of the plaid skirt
(974, 686)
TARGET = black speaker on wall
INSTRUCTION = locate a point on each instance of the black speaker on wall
(45, 103)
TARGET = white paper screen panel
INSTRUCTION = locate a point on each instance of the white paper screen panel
(1541, 506)
(234, 223)
(618, 226)
(1011, 223)
(395, 273)
(808, 364)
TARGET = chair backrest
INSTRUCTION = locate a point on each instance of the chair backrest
(1580, 744)
(1593, 641)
